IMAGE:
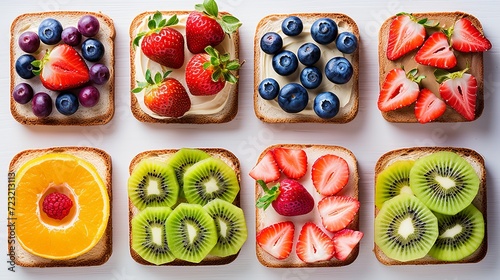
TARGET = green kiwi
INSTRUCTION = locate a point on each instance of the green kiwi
(191, 232)
(149, 238)
(392, 181)
(459, 235)
(231, 227)
(405, 229)
(153, 183)
(209, 179)
(182, 160)
(444, 181)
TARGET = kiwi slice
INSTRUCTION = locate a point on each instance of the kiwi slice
(405, 229)
(153, 183)
(191, 232)
(444, 181)
(182, 160)
(459, 235)
(231, 227)
(392, 181)
(209, 179)
(149, 237)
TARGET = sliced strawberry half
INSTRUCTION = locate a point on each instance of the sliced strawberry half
(437, 52)
(337, 212)
(292, 162)
(466, 37)
(330, 174)
(459, 90)
(314, 245)
(428, 107)
(266, 169)
(344, 242)
(399, 89)
(277, 239)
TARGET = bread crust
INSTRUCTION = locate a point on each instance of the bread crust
(100, 114)
(102, 251)
(472, 60)
(480, 201)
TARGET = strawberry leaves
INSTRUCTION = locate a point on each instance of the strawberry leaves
(155, 24)
(151, 81)
(228, 23)
(222, 64)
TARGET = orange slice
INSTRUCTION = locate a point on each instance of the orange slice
(78, 232)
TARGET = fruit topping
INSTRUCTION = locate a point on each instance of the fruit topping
(314, 245)
(266, 169)
(99, 74)
(182, 160)
(330, 174)
(346, 42)
(88, 25)
(292, 162)
(326, 105)
(71, 36)
(285, 63)
(269, 89)
(308, 54)
(57, 205)
(50, 31)
(67, 103)
(29, 41)
(428, 107)
(24, 66)
(338, 70)
(288, 197)
(311, 77)
(459, 90)
(293, 98)
(392, 181)
(324, 31)
(466, 37)
(399, 89)
(88, 96)
(41, 104)
(22, 93)
(436, 52)
(271, 43)
(337, 212)
(277, 239)
(292, 26)
(92, 50)
(344, 241)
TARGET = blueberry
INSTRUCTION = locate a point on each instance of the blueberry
(338, 70)
(292, 26)
(293, 98)
(29, 41)
(50, 31)
(24, 68)
(324, 31)
(285, 63)
(66, 103)
(99, 73)
(92, 50)
(346, 42)
(269, 88)
(22, 93)
(308, 54)
(88, 25)
(71, 36)
(311, 77)
(326, 105)
(271, 43)
(41, 104)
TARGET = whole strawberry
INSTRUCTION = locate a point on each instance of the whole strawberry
(207, 73)
(165, 96)
(162, 43)
(288, 197)
(205, 28)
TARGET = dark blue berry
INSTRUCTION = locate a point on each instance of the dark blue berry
(338, 70)
(311, 77)
(66, 103)
(324, 31)
(50, 31)
(92, 50)
(292, 26)
(22, 93)
(308, 54)
(346, 42)
(271, 43)
(293, 98)
(269, 88)
(24, 68)
(326, 105)
(285, 63)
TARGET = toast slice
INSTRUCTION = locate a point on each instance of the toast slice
(480, 201)
(101, 252)
(163, 155)
(219, 108)
(268, 110)
(474, 61)
(99, 114)
(265, 218)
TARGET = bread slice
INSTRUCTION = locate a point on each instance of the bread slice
(265, 218)
(472, 60)
(475, 159)
(219, 108)
(103, 249)
(163, 155)
(103, 111)
(269, 110)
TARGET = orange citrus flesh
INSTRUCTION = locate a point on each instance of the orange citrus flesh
(47, 237)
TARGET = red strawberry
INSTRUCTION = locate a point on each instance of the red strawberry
(399, 89)
(329, 173)
(204, 27)
(62, 68)
(293, 162)
(458, 89)
(165, 96)
(466, 37)
(428, 107)
(337, 212)
(436, 52)
(162, 43)
(314, 245)
(207, 73)
(266, 169)
(344, 242)
(288, 197)
(277, 239)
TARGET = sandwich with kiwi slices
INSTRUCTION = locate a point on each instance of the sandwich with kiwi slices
(184, 207)
(430, 206)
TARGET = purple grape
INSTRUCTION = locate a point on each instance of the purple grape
(88, 25)
(22, 93)
(41, 104)
(88, 96)
(29, 42)
(99, 73)
(71, 36)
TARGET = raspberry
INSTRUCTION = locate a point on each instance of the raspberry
(57, 205)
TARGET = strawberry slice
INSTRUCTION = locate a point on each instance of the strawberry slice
(314, 245)
(266, 169)
(329, 173)
(277, 239)
(428, 107)
(436, 52)
(293, 162)
(467, 38)
(399, 89)
(337, 212)
(344, 242)
(458, 89)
